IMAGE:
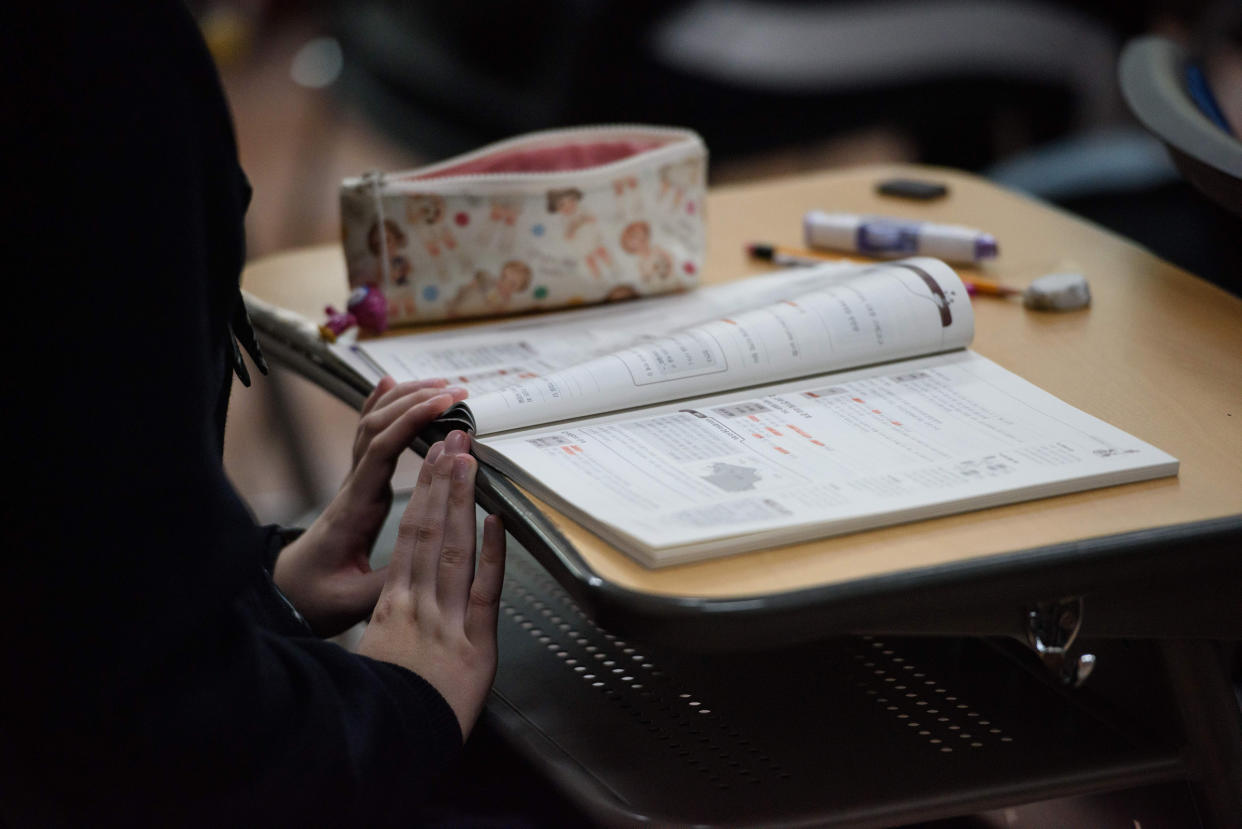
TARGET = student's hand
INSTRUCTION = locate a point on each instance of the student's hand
(326, 572)
(436, 615)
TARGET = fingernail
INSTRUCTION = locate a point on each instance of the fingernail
(436, 450)
(441, 401)
(458, 392)
(455, 442)
(461, 468)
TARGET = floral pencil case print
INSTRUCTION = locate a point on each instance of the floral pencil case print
(545, 220)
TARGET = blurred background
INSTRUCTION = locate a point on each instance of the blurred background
(1022, 91)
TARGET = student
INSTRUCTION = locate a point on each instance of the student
(153, 674)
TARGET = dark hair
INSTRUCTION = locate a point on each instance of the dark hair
(554, 196)
(526, 272)
(622, 292)
(625, 231)
(373, 240)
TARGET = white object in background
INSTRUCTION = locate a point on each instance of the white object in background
(1058, 292)
(887, 237)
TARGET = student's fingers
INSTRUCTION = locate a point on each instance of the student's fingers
(391, 405)
(485, 593)
(400, 389)
(381, 388)
(401, 567)
(379, 460)
(397, 401)
(456, 566)
(434, 453)
(364, 588)
(388, 390)
(367, 426)
(428, 527)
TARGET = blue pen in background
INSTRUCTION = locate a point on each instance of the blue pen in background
(1197, 86)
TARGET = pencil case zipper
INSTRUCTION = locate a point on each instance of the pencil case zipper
(680, 143)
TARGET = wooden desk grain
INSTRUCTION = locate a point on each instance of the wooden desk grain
(1158, 354)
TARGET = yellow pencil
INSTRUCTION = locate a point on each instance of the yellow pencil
(778, 255)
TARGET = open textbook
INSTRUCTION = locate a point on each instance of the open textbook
(766, 411)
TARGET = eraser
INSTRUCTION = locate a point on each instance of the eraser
(909, 188)
(1058, 292)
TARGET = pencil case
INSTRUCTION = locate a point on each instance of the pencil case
(545, 220)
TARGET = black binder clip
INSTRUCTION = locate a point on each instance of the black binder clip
(1051, 629)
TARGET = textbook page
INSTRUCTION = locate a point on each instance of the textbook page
(486, 357)
(875, 314)
(819, 456)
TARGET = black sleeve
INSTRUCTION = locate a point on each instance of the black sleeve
(137, 684)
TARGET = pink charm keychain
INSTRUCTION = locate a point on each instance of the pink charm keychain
(369, 308)
(366, 309)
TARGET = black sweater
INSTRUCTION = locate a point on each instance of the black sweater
(150, 676)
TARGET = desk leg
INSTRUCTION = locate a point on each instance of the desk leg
(1208, 705)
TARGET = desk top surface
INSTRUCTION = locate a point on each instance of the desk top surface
(1158, 354)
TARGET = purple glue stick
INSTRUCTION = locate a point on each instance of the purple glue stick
(885, 237)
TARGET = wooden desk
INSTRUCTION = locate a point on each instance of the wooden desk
(684, 735)
(1158, 354)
